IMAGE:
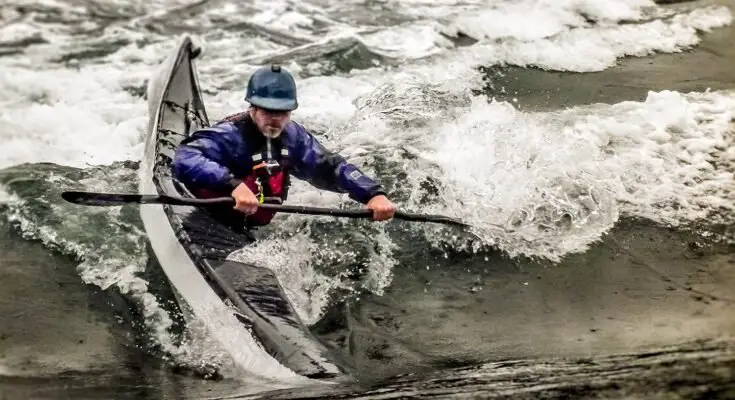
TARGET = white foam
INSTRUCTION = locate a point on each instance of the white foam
(529, 20)
(291, 251)
(7, 371)
(7, 197)
(69, 117)
(521, 21)
(561, 179)
(291, 260)
(587, 49)
(409, 41)
(17, 32)
(283, 18)
(603, 10)
(437, 9)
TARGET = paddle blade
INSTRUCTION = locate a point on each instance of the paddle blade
(448, 221)
(100, 199)
(115, 199)
(440, 219)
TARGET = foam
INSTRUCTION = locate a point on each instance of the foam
(533, 20)
(283, 18)
(560, 180)
(63, 116)
(588, 49)
(7, 197)
(18, 32)
(553, 28)
(410, 41)
(311, 266)
(516, 21)
(291, 260)
(7, 371)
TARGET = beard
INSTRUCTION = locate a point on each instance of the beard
(272, 132)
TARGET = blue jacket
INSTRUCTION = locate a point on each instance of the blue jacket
(217, 157)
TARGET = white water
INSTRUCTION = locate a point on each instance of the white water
(62, 116)
(562, 179)
(557, 180)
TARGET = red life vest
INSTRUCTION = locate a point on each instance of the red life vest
(269, 181)
(269, 178)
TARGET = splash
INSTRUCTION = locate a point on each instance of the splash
(315, 258)
(558, 181)
(291, 259)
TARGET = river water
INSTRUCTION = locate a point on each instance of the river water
(589, 143)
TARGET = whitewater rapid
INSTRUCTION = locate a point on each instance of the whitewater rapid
(540, 184)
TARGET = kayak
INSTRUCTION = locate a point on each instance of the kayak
(243, 306)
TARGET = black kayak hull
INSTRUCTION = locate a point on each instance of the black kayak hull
(243, 306)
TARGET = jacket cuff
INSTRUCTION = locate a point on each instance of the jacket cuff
(233, 183)
(372, 193)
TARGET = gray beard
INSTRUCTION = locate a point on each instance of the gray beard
(272, 135)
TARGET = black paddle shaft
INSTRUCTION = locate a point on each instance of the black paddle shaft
(113, 199)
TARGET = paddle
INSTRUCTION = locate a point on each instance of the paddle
(113, 199)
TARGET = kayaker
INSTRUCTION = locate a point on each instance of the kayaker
(251, 155)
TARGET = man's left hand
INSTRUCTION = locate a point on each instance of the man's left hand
(383, 209)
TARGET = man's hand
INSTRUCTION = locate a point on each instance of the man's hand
(383, 208)
(245, 200)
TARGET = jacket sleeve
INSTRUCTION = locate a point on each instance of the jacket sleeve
(201, 161)
(330, 171)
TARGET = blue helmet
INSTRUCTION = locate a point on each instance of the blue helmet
(272, 88)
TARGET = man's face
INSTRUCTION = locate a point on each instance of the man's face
(270, 123)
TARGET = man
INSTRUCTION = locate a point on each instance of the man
(251, 155)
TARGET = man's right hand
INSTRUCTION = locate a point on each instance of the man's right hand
(245, 200)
